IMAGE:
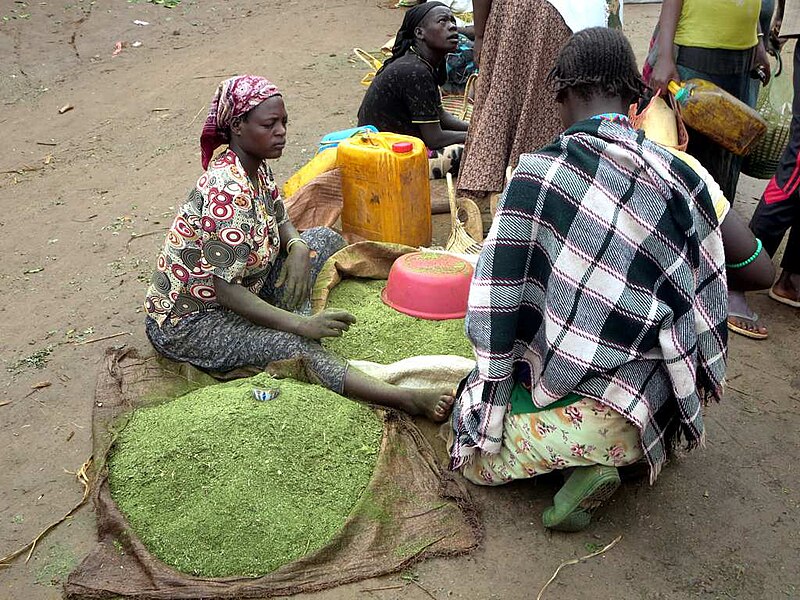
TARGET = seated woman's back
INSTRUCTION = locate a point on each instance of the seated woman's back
(603, 274)
(607, 295)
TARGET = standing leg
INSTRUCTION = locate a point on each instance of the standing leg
(776, 211)
(779, 208)
(787, 289)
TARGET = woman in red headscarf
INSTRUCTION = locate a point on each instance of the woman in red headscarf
(231, 287)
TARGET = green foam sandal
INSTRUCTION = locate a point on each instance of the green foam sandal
(578, 520)
(585, 490)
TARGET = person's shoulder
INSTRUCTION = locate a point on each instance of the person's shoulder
(538, 163)
(223, 170)
(680, 164)
(410, 64)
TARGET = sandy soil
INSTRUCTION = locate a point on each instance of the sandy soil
(75, 188)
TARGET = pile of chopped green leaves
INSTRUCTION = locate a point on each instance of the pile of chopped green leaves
(384, 335)
(218, 484)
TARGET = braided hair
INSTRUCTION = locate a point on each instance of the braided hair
(597, 62)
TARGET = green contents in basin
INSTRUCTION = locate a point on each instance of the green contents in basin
(385, 335)
(217, 484)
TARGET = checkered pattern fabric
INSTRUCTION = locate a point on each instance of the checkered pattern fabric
(604, 270)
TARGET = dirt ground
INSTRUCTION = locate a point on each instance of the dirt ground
(77, 188)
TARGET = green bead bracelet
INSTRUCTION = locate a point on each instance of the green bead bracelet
(744, 263)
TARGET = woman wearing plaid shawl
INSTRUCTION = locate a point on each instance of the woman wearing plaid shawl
(599, 302)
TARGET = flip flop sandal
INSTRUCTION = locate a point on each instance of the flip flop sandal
(784, 299)
(753, 335)
(584, 491)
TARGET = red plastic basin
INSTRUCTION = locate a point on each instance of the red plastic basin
(429, 286)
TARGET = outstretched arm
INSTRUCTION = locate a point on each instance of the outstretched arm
(665, 70)
(238, 299)
(451, 122)
(435, 137)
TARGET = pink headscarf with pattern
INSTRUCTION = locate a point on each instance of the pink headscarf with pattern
(233, 98)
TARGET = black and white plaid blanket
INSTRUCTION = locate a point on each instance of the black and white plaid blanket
(604, 270)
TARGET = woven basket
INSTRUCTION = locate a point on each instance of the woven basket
(763, 160)
(460, 105)
(371, 61)
(460, 240)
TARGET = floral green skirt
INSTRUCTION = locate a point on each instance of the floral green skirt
(583, 434)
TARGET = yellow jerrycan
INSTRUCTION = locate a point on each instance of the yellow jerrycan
(321, 163)
(719, 115)
(385, 188)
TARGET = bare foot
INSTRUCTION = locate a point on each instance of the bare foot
(436, 405)
(742, 319)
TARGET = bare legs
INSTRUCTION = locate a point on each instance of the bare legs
(431, 403)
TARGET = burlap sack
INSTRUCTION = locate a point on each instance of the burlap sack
(318, 203)
(412, 508)
(370, 260)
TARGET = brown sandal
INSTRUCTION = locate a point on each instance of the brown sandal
(753, 335)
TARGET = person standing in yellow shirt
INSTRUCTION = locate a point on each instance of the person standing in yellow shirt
(720, 41)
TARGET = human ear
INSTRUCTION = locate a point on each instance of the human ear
(236, 126)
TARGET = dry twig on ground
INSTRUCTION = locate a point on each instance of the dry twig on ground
(82, 476)
(575, 561)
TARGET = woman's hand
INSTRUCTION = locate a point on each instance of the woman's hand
(761, 66)
(664, 71)
(328, 323)
(294, 277)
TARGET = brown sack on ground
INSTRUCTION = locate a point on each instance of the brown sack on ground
(318, 203)
(411, 510)
(370, 260)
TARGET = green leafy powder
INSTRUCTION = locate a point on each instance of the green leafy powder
(384, 335)
(217, 484)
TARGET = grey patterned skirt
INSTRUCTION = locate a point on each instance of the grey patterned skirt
(221, 340)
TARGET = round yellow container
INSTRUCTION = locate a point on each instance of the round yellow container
(385, 188)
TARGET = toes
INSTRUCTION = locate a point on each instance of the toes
(443, 407)
(748, 325)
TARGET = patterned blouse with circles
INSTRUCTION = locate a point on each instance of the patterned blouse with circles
(225, 229)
